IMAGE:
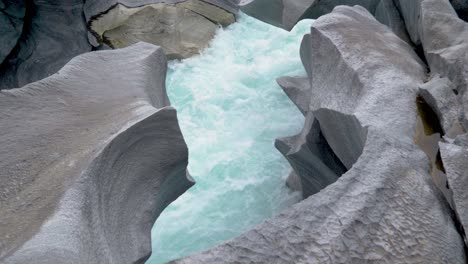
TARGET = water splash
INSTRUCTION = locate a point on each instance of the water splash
(230, 111)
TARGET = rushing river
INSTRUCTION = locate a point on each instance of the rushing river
(230, 110)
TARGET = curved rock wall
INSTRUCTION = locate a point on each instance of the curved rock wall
(95, 158)
(182, 29)
(364, 81)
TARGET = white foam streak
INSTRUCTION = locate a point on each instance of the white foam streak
(230, 111)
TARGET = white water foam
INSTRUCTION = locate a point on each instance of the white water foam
(230, 111)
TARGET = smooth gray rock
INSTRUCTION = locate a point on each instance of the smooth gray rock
(455, 159)
(306, 54)
(439, 93)
(344, 134)
(297, 89)
(311, 158)
(11, 25)
(286, 13)
(97, 156)
(55, 32)
(181, 27)
(385, 208)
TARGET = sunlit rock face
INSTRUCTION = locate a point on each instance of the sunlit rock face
(364, 82)
(182, 29)
(90, 156)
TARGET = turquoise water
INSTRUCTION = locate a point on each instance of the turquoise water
(230, 111)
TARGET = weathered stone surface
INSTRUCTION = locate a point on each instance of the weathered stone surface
(11, 25)
(455, 159)
(97, 156)
(286, 13)
(439, 94)
(298, 90)
(385, 205)
(312, 159)
(181, 28)
(445, 41)
(54, 33)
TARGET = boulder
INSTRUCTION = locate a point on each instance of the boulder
(312, 159)
(297, 89)
(11, 25)
(181, 28)
(90, 157)
(439, 93)
(385, 207)
(54, 32)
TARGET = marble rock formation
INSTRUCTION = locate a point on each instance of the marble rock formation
(286, 13)
(181, 27)
(11, 25)
(436, 26)
(53, 33)
(90, 156)
(385, 208)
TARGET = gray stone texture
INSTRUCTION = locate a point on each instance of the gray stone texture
(439, 94)
(455, 159)
(90, 157)
(385, 208)
(54, 33)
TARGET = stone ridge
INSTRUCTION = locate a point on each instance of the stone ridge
(96, 156)
(385, 208)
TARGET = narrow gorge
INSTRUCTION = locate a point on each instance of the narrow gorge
(230, 112)
(233, 131)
